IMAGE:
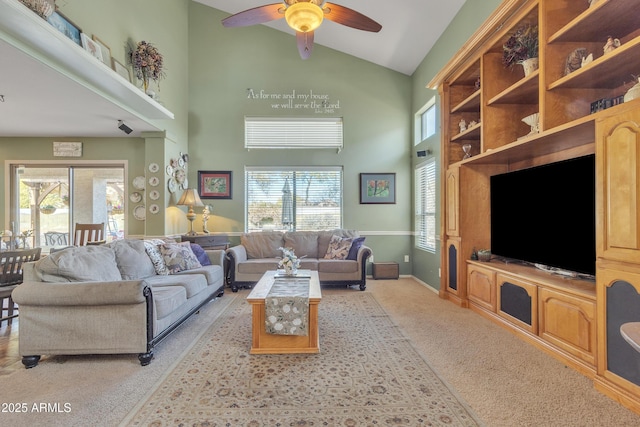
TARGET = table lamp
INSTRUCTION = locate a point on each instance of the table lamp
(190, 198)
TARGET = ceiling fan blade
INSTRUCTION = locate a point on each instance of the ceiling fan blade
(305, 43)
(350, 18)
(256, 15)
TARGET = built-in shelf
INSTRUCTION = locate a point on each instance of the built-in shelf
(471, 103)
(524, 91)
(26, 31)
(472, 132)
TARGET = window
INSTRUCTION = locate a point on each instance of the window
(306, 199)
(425, 205)
(279, 132)
(426, 121)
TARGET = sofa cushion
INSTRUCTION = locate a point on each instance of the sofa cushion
(152, 248)
(337, 266)
(179, 257)
(303, 243)
(200, 254)
(192, 283)
(80, 264)
(355, 247)
(258, 266)
(213, 273)
(324, 237)
(132, 259)
(264, 244)
(166, 299)
(338, 247)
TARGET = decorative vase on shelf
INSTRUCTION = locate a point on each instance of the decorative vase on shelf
(529, 66)
(533, 120)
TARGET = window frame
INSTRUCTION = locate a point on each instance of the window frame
(425, 175)
(420, 134)
(293, 133)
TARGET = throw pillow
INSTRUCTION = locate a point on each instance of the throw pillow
(355, 247)
(152, 248)
(132, 259)
(200, 254)
(338, 247)
(179, 257)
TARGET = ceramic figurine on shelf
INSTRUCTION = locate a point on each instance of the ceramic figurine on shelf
(205, 219)
(472, 123)
(592, 2)
(587, 59)
(611, 45)
(463, 125)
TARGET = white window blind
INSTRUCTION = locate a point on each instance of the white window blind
(425, 205)
(279, 132)
(304, 199)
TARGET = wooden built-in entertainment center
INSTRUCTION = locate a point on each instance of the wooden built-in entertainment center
(575, 320)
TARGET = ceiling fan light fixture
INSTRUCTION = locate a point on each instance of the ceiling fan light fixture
(304, 17)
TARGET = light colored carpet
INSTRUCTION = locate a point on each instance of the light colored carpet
(366, 373)
(506, 381)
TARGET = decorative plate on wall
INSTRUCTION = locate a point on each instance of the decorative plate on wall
(154, 209)
(172, 184)
(154, 181)
(154, 195)
(180, 176)
(140, 213)
(153, 168)
(169, 170)
(138, 182)
(135, 197)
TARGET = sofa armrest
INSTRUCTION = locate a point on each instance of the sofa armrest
(363, 254)
(238, 253)
(80, 293)
(216, 256)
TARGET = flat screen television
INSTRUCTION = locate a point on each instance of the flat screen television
(546, 215)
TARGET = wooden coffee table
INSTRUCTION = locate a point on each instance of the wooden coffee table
(264, 343)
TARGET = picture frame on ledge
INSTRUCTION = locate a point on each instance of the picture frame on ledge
(122, 70)
(104, 49)
(215, 184)
(377, 188)
(92, 47)
(66, 27)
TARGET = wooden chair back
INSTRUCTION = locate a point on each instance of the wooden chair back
(55, 238)
(88, 233)
(11, 264)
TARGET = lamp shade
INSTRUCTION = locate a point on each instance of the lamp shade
(190, 198)
(304, 17)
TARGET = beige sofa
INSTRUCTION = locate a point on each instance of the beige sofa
(259, 252)
(110, 299)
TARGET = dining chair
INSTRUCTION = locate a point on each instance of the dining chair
(84, 233)
(11, 276)
(55, 238)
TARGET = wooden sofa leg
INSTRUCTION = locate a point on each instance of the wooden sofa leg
(30, 361)
(145, 358)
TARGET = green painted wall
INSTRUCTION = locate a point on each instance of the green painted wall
(470, 17)
(375, 103)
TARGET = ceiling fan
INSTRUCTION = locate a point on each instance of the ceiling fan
(304, 16)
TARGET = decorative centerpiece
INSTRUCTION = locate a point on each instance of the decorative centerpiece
(289, 262)
(44, 8)
(147, 63)
(522, 48)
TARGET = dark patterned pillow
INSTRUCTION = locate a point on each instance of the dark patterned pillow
(355, 247)
(200, 254)
(179, 257)
(338, 247)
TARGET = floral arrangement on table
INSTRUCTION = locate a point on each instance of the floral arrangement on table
(147, 62)
(289, 262)
(522, 45)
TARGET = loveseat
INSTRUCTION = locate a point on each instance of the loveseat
(122, 297)
(339, 256)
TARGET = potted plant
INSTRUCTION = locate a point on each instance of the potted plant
(47, 209)
(522, 48)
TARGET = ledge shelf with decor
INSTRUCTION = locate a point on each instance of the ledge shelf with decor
(24, 30)
(565, 94)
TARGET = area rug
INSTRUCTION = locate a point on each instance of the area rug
(367, 373)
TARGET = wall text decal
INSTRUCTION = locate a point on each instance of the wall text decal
(318, 103)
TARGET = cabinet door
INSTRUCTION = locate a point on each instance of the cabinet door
(618, 187)
(452, 201)
(481, 287)
(454, 284)
(568, 322)
(517, 302)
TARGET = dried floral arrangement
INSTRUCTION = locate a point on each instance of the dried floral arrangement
(147, 62)
(522, 45)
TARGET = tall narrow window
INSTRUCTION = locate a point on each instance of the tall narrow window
(306, 198)
(426, 121)
(425, 205)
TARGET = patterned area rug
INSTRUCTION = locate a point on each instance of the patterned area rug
(366, 373)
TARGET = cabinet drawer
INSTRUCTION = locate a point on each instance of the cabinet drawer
(481, 287)
(517, 302)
